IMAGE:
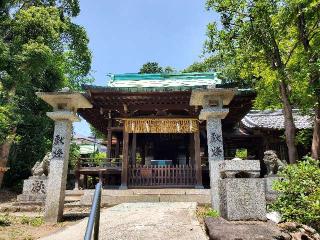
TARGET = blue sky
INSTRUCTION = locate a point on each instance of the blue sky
(125, 34)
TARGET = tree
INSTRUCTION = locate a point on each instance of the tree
(96, 133)
(151, 67)
(304, 15)
(262, 39)
(40, 50)
(197, 67)
(169, 69)
(154, 67)
(257, 42)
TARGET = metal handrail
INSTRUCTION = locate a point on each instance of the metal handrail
(94, 218)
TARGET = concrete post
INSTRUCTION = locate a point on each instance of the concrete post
(65, 105)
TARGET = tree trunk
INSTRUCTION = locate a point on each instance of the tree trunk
(289, 126)
(290, 129)
(4, 154)
(315, 148)
(314, 79)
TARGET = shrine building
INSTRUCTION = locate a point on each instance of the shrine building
(161, 131)
(155, 127)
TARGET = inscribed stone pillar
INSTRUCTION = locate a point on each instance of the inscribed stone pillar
(58, 170)
(215, 156)
(65, 105)
(212, 100)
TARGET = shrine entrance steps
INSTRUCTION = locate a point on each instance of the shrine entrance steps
(114, 197)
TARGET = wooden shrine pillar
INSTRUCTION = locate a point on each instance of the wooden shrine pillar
(191, 150)
(109, 139)
(133, 148)
(125, 159)
(197, 158)
(117, 150)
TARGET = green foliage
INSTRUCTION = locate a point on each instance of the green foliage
(154, 67)
(169, 69)
(271, 46)
(41, 49)
(33, 221)
(197, 67)
(6, 118)
(5, 220)
(241, 153)
(299, 193)
(98, 157)
(74, 155)
(96, 133)
(206, 211)
(151, 67)
(259, 45)
(212, 213)
(304, 137)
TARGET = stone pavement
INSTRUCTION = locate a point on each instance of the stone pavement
(139, 221)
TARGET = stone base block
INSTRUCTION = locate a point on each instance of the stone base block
(220, 229)
(34, 190)
(271, 194)
(31, 198)
(243, 198)
(232, 168)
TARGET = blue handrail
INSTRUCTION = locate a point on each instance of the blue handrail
(94, 218)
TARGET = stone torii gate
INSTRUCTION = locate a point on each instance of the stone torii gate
(212, 101)
(65, 105)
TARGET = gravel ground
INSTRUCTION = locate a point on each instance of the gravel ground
(133, 221)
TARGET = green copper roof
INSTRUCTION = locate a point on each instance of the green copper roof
(163, 80)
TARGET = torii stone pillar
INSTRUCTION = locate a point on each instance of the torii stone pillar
(65, 105)
(212, 100)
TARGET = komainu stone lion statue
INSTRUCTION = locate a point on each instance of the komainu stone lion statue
(272, 162)
(42, 168)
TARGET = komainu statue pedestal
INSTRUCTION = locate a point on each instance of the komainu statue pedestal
(273, 165)
(35, 187)
(34, 190)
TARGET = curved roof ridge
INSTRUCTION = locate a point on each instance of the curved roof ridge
(274, 119)
(160, 80)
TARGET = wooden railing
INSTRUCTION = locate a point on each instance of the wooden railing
(162, 176)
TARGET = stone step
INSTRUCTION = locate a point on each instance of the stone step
(22, 208)
(114, 197)
(111, 197)
(27, 203)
